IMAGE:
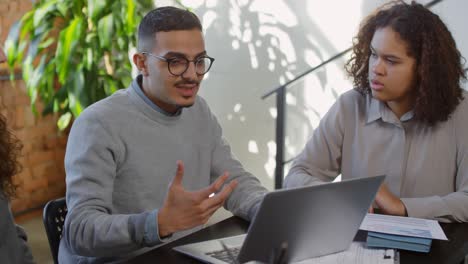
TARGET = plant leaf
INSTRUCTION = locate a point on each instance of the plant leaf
(63, 7)
(64, 121)
(95, 8)
(130, 22)
(33, 49)
(110, 85)
(77, 85)
(106, 31)
(68, 39)
(46, 43)
(83, 32)
(41, 12)
(88, 58)
(47, 84)
(11, 44)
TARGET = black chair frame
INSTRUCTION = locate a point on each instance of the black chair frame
(54, 215)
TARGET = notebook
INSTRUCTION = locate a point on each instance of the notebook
(408, 233)
(313, 221)
(381, 240)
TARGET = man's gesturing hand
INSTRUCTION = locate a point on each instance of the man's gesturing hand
(183, 209)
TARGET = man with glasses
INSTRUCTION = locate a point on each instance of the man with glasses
(149, 164)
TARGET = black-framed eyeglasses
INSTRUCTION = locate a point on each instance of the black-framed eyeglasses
(178, 65)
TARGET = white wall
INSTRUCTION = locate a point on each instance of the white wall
(259, 44)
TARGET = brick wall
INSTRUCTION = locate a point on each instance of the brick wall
(43, 175)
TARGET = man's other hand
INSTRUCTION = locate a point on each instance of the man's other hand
(389, 203)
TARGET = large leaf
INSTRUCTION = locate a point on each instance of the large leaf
(75, 92)
(12, 48)
(63, 7)
(42, 30)
(64, 121)
(69, 38)
(88, 59)
(46, 43)
(95, 8)
(33, 49)
(53, 105)
(43, 11)
(90, 49)
(33, 80)
(47, 85)
(106, 31)
(110, 85)
(130, 19)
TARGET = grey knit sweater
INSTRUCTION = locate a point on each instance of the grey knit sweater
(120, 159)
(13, 241)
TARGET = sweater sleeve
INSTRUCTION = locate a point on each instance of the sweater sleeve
(452, 207)
(247, 196)
(14, 242)
(25, 251)
(320, 161)
(91, 163)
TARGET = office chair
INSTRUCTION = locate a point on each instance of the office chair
(53, 216)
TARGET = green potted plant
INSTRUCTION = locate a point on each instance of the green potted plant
(74, 52)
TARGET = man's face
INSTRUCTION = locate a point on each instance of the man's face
(391, 69)
(166, 90)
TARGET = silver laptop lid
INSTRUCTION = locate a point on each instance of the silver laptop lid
(313, 220)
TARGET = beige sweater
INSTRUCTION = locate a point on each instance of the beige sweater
(427, 167)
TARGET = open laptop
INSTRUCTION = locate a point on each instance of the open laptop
(313, 221)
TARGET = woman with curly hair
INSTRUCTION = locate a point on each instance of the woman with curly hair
(13, 246)
(407, 118)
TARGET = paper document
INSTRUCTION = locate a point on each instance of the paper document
(405, 226)
(357, 253)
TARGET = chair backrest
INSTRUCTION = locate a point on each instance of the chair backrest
(53, 216)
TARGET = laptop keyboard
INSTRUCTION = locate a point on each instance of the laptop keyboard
(224, 255)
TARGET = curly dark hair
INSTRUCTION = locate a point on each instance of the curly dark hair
(439, 64)
(10, 148)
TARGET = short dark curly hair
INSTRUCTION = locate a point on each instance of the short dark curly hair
(439, 64)
(10, 148)
(167, 18)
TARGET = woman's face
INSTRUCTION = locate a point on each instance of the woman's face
(391, 71)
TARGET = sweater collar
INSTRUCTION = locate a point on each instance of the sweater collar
(147, 106)
(139, 90)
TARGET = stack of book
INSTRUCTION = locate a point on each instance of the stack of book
(407, 233)
(382, 240)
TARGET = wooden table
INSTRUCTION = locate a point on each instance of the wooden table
(442, 252)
